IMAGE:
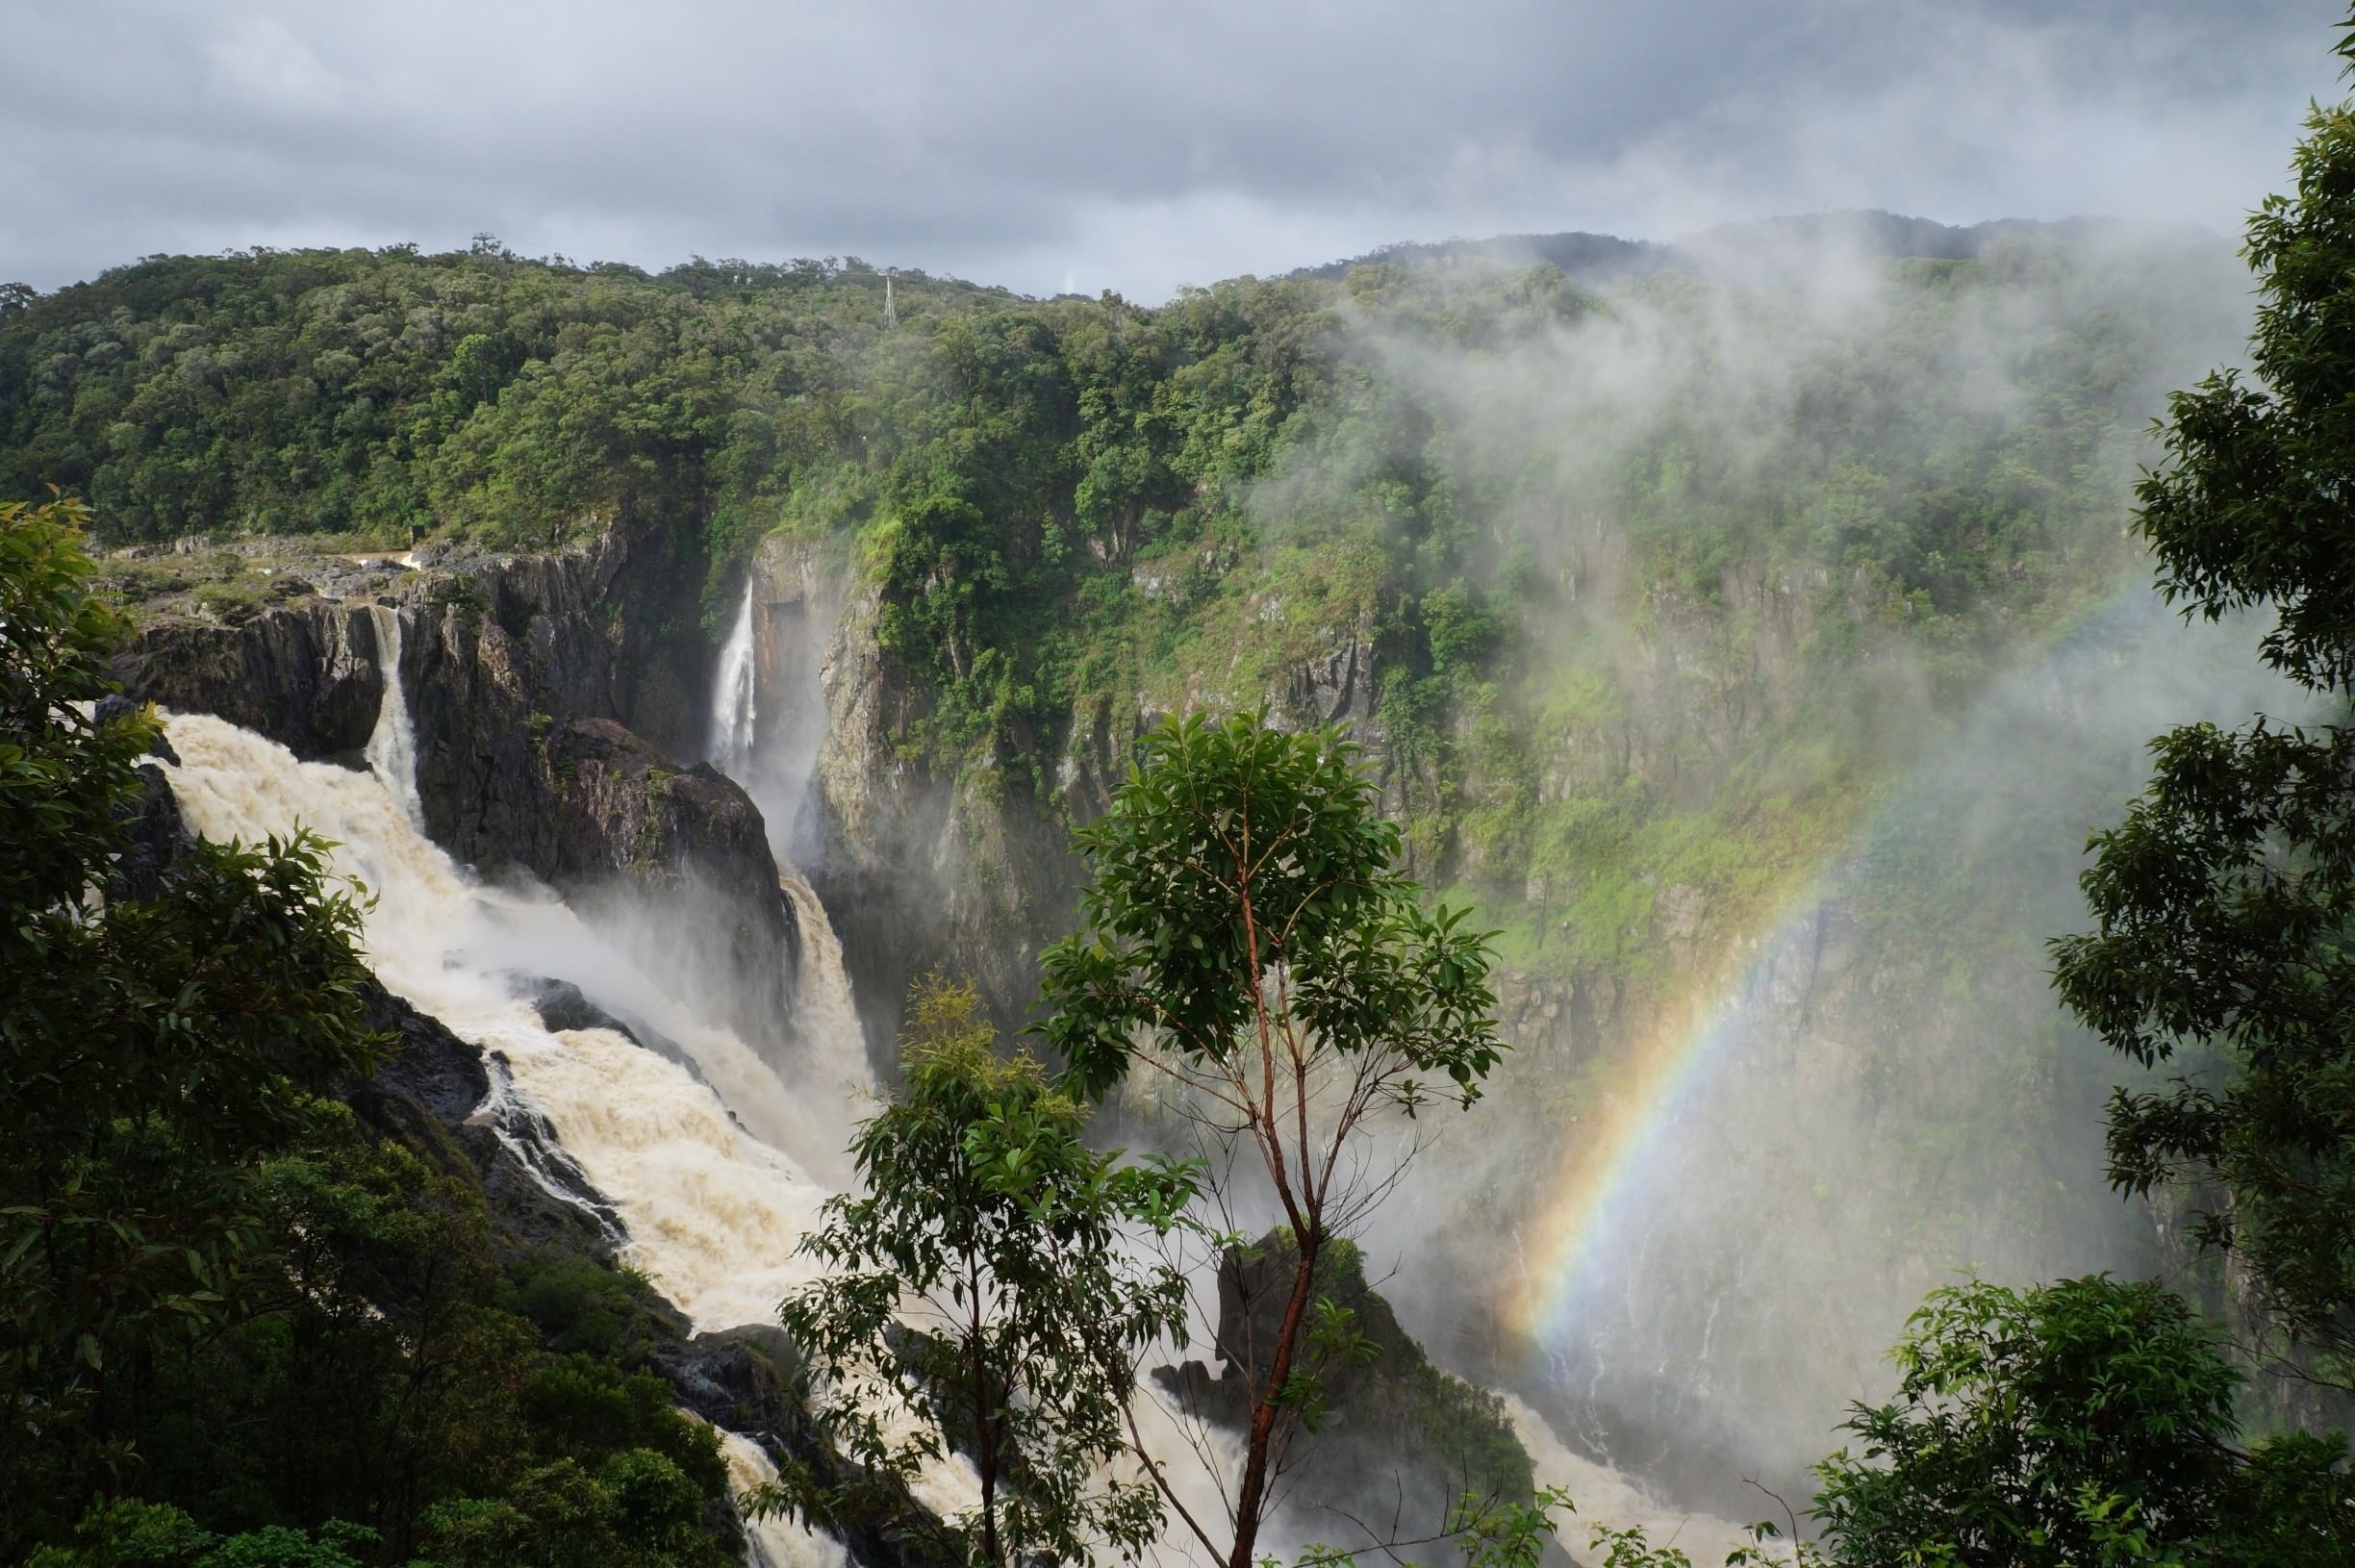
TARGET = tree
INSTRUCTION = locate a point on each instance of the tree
(2087, 1422)
(980, 1284)
(160, 1040)
(1248, 937)
(2223, 901)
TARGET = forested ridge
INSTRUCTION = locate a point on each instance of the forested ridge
(1080, 509)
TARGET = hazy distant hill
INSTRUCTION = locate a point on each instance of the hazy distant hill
(1599, 256)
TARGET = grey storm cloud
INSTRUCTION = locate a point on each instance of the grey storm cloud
(1135, 147)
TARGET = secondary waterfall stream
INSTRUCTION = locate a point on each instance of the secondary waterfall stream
(776, 772)
(392, 746)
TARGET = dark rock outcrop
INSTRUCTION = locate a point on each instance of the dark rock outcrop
(156, 833)
(520, 694)
(1399, 1442)
(310, 676)
(746, 1380)
(434, 1093)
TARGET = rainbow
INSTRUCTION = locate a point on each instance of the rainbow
(1596, 1183)
(1594, 1192)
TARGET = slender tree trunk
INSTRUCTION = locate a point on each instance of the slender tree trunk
(1250, 1499)
(985, 1433)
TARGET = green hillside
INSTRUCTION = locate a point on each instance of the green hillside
(1592, 547)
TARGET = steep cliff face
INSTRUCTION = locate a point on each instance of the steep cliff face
(974, 872)
(310, 677)
(525, 671)
(527, 680)
(921, 871)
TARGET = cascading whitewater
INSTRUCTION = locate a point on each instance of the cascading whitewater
(824, 1015)
(714, 1213)
(713, 1202)
(771, 1542)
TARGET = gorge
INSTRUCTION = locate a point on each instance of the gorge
(1753, 646)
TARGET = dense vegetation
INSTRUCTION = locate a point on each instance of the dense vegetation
(1536, 509)
(2225, 899)
(241, 1326)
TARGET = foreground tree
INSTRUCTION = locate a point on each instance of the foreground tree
(2225, 902)
(2080, 1422)
(1249, 938)
(160, 1041)
(2087, 1424)
(979, 1301)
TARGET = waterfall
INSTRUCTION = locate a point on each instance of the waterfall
(714, 1209)
(735, 702)
(715, 1203)
(824, 1015)
(776, 772)
(392, 746)
(774, 1542)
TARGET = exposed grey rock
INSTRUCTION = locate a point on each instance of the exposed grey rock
(309, 676)
(746, 1380)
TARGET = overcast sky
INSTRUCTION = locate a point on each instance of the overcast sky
(1052, 144)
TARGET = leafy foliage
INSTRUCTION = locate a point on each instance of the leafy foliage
(153, 1051)
(980, 1286)
(2223, 901)
(2085, 1421)
(1248, 935)
(1245, 887)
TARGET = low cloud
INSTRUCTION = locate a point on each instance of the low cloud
(1048, 144)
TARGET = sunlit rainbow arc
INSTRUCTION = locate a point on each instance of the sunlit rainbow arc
(1595, 1185)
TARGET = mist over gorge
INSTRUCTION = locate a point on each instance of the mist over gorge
(1748, 631)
